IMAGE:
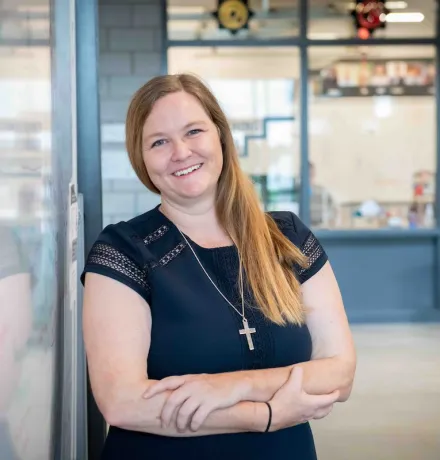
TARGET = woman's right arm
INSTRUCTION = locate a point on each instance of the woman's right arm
(117, 333)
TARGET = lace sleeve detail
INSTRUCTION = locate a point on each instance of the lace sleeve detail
(109, 261)
(315, 254)
(312, 249)
(304, 239)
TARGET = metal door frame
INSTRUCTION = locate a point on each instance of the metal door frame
(89, 168)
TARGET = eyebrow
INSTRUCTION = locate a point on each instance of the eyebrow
(188, 125)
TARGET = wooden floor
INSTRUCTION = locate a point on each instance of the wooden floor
(394, 410)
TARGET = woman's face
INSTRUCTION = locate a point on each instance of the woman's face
(181, 149)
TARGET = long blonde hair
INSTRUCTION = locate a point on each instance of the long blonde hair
(266, 255)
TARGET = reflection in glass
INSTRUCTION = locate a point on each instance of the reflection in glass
(27, 234)
(258, 90)
(372, 137)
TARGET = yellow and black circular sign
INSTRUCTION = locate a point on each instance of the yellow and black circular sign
(233, 14)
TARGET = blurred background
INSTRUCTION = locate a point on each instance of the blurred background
(335, 111)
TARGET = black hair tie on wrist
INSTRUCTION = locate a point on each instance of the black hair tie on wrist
(269, 422)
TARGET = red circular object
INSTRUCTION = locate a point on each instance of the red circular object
(369, 14)
(363, 33)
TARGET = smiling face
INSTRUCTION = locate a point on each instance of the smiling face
(181, 149)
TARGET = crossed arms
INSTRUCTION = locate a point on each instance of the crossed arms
(117, 326)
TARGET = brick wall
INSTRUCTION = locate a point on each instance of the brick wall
(131, 52)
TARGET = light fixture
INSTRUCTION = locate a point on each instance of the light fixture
(405, 17)
(396, 5)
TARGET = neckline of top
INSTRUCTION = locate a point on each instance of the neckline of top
(170, 223)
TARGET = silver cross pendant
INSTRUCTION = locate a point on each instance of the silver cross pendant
(248, 331)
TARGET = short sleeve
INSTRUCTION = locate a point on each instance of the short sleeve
(310, 247)
(116, 255)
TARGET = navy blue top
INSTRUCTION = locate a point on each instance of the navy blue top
(195, 331)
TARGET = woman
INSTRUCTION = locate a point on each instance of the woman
(212, 330)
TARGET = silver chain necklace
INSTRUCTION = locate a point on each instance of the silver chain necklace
(247, 331)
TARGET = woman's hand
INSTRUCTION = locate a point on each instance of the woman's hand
(194, 397)
(291, 405)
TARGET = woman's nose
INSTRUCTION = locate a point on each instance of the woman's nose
(181, 151)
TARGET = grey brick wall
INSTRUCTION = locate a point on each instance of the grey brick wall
(131, 52)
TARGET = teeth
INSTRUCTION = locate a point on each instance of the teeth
(187, 171)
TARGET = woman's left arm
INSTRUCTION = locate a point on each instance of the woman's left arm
(333, 361)
(333, 354)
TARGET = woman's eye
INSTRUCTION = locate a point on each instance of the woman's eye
(158, 143)
(194, 131)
